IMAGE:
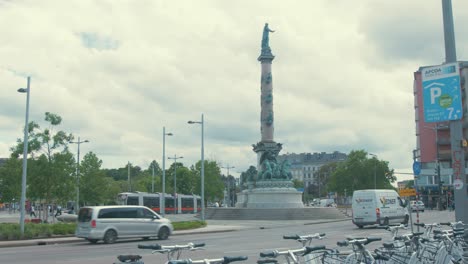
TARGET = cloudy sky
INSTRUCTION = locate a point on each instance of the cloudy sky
(119, 71)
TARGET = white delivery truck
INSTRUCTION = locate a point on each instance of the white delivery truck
(381, 207)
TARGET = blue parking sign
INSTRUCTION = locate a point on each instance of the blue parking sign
(442, 93)
(416, 167)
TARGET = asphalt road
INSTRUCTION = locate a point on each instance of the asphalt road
(249, 242)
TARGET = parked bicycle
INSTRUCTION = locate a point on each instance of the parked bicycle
(223, 260)
(174, 251)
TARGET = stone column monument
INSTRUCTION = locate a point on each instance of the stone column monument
(271, 186)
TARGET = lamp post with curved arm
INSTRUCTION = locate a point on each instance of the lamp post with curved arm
(375, 171)
(163, 200)
(175, 158)
(25, 158)
(202, 167)
(77, 205)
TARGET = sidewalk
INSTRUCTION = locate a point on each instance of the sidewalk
(213, 226)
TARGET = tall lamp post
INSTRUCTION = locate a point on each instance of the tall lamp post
(202, 123)
(228, 184)
(163, 201)
(25, 157)
(152, 178)
(175, 158)
(375, 170)
(77, 205)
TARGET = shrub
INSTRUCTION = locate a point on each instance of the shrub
(184, 225)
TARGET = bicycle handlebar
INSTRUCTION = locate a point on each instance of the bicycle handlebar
(308, 237)
(295, 237)
(128, 258)
(372, 239)
(153, 247)
(362, 241)
(267, 261)
(198, 245)
(269, 254)
(309, 250)
(232, 259)
(224, 260)
(171, 248)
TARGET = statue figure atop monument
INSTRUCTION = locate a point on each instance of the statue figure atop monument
(265, 54)
(266, 38)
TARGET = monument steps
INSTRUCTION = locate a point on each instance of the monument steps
(307, 213)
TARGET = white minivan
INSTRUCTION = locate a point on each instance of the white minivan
(112, 222)
(381, 207)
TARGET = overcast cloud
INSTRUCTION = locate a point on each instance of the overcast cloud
(118, 71)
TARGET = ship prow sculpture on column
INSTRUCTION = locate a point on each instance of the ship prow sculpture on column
(271, 186)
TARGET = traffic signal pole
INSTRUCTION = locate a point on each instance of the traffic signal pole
(456, 127)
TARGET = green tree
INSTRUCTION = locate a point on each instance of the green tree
(214, 186)
(92, 180)
(10, 179)
(322, 177)
(298, 183)
(409, 184)
(357, 173)
(52, 165)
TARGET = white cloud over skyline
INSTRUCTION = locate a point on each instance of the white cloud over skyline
(118, 71)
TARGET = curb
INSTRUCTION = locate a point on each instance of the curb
(68, 239)
(64, 240)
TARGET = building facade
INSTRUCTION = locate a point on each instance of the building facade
(305, 165)
(433, 147)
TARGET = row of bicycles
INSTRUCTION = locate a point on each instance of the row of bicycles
(440, 243)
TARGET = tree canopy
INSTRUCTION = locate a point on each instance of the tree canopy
(358, 172)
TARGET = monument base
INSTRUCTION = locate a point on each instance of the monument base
(270, 198)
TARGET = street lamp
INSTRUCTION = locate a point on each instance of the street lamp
(25, 157)
(175, 180)
(202, 123)
(228, 183)
(163, 201)
(375, 171)
(77, 205)
(152, 178)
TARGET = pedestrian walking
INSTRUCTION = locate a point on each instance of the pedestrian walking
(59, 211)
(33, 212)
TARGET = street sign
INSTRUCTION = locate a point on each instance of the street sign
(416, 167)
(442, 93)
(407, 192)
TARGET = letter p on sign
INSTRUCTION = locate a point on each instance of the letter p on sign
(435, 93)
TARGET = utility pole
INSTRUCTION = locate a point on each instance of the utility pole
(175, 158)
(152, 181)
(129, 184)
(456, 128)
(439, 182)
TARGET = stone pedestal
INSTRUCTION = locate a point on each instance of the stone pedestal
(269, 198)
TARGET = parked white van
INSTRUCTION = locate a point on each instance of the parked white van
(381, 207)
(112, 222)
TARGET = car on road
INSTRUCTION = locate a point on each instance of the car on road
(417, 206)
(378, 207)
(109, 223)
